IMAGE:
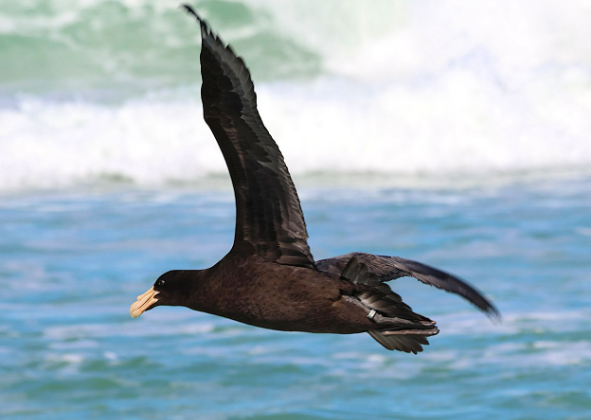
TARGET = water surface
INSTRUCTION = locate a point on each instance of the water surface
(73, 262)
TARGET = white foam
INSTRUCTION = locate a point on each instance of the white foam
(129, 329)
(513, 323)
(417, 88)
(585, 231)
(451, 127)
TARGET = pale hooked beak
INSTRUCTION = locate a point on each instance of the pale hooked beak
(143, 303)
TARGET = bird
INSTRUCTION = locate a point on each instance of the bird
(269, 278)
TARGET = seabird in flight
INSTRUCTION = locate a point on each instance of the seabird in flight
(269, 278)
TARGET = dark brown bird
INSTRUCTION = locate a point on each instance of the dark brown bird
(269, 278)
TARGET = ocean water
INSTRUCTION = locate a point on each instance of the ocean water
(72, 263)
(453, 133)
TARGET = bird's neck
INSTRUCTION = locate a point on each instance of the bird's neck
(202, 289)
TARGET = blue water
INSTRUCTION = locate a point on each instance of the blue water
(71, 263)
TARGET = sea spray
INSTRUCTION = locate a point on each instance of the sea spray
(98, 91)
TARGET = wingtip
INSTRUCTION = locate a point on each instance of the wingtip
(494, 315)
(189, 9)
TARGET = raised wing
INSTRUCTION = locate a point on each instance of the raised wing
(390, 268)
(269, 219)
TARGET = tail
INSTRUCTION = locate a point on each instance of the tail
(408, 341)
(397, 327)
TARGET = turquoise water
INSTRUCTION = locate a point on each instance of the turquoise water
(72, 263)
(453, 133)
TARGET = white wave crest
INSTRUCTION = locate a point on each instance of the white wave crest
(431, 88)
(450, 126)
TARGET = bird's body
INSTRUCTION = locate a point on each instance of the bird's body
(269, 278)
(301, 299)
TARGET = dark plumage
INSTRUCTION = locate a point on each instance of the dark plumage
(269, 278)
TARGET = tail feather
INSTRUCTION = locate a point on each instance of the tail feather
(379, 297)
(397, 327)
(408, 341)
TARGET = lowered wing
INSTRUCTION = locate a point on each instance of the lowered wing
(390, 268)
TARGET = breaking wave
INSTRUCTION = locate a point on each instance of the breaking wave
(105, 92)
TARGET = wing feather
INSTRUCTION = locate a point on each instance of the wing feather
(389, 268)
(269, 218)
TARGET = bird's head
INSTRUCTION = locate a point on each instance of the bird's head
(172, 288)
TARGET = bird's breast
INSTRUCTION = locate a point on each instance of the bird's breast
(282, 298)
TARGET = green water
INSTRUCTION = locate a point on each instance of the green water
(109, 45)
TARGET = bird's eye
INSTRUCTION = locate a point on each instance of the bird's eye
(161, 282)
